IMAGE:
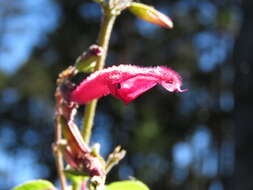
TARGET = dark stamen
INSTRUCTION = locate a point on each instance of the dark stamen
(118, 86)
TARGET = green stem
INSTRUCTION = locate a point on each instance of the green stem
(103, 41)
(76, 185)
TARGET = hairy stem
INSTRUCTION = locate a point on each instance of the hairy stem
(103, 41)
(58, 153)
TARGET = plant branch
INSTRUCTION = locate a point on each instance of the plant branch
(58, 153)
(103, 41)
(61, 110)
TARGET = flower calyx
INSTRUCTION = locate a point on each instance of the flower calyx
(78, 155)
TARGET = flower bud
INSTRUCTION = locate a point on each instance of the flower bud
(150, 14)
(87, 61)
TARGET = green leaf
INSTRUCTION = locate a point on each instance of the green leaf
(127, 185)
(36, 185)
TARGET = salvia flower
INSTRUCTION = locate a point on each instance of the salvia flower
(150, 14)
(125, 82)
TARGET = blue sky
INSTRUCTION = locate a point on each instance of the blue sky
(24, 30)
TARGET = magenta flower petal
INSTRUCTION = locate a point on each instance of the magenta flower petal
(90, 89)
(125, 82)
(134, 87)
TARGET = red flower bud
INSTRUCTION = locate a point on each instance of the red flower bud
(125, 82)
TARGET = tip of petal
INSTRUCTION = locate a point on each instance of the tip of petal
(181, 90)
(165, 21)
(184, 90)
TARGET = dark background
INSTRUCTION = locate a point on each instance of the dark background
(199, 140)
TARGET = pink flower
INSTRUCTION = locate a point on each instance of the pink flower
(125, 82)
